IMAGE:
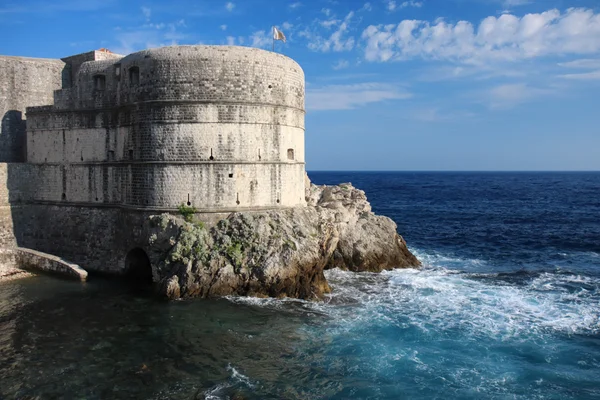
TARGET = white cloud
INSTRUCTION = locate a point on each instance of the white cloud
(336, 41)
(229, 6)
(148, 36)
(584, 63)
(594, 75)
(295, 5)
(434, 114)
(223, 27)
(147, 12)
(286, 25)
(329, 23)
(510, 95)
(513, 3)
(230, 40)
(261, 39)
(367, 7)
(411, 3)
(326, 11)
(346, 97)
(341, 64)
(504, 38)
(392, 5)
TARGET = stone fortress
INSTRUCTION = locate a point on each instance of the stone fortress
(93, 144)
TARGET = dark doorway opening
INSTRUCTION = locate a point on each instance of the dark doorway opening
(138, 269)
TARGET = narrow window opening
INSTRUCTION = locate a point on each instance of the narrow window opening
(131, 154)
(96, 199)
(290, 154)
(259, 157)
(118, 71)
(211, 155)
(270, 86)
(111, 155)
(189, 203)
(231, 175)
(64, 196)
(134, 75)
(237, 201)
(99, 82)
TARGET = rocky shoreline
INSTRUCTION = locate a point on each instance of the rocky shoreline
(280, 253)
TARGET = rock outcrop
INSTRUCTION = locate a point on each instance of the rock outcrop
(279, 253)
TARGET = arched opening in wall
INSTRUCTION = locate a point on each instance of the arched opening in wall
(99, 82)
(290, 154)
(138, 269)
(134, 76)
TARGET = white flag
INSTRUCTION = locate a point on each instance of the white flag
(278, 35)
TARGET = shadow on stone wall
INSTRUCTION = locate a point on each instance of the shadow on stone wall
(12, 137)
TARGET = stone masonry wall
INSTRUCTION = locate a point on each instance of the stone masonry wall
(7, 238)
(24, 82)
(220, 128)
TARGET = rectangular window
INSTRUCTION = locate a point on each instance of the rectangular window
(99, 82)
(134, 76)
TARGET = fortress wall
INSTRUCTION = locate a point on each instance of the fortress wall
(222, 141)
(214, 74)
(7, 238)
(24, 82)
(210, 187)
(160, 136)
(75, 62)
(66, 145)
(162, 186)
(98, 239)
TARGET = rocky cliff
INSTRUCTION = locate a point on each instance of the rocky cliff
(276, 253)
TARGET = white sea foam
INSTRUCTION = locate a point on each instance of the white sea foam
(437, 298)
(215, 393)
(236, 378)
(442, 297)
(436, 259)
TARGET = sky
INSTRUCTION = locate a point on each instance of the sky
(390, 84)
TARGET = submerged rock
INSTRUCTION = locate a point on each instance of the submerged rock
(280, 253)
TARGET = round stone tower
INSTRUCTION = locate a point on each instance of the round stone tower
(214, 127)
(218, 128)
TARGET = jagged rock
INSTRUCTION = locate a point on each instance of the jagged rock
(280, 253)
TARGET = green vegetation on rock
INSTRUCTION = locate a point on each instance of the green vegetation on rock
(187, 212)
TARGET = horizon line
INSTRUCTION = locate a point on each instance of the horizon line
(455, 170)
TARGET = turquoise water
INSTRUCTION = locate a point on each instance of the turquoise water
(506, 307)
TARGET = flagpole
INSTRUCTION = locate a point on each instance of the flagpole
(273, 36)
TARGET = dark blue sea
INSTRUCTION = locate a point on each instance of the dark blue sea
(506, 306)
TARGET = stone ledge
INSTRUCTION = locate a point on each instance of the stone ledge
(19, 258)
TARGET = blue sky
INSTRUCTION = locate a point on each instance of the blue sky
(391, 85)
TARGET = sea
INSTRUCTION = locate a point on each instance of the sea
(505, 306)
